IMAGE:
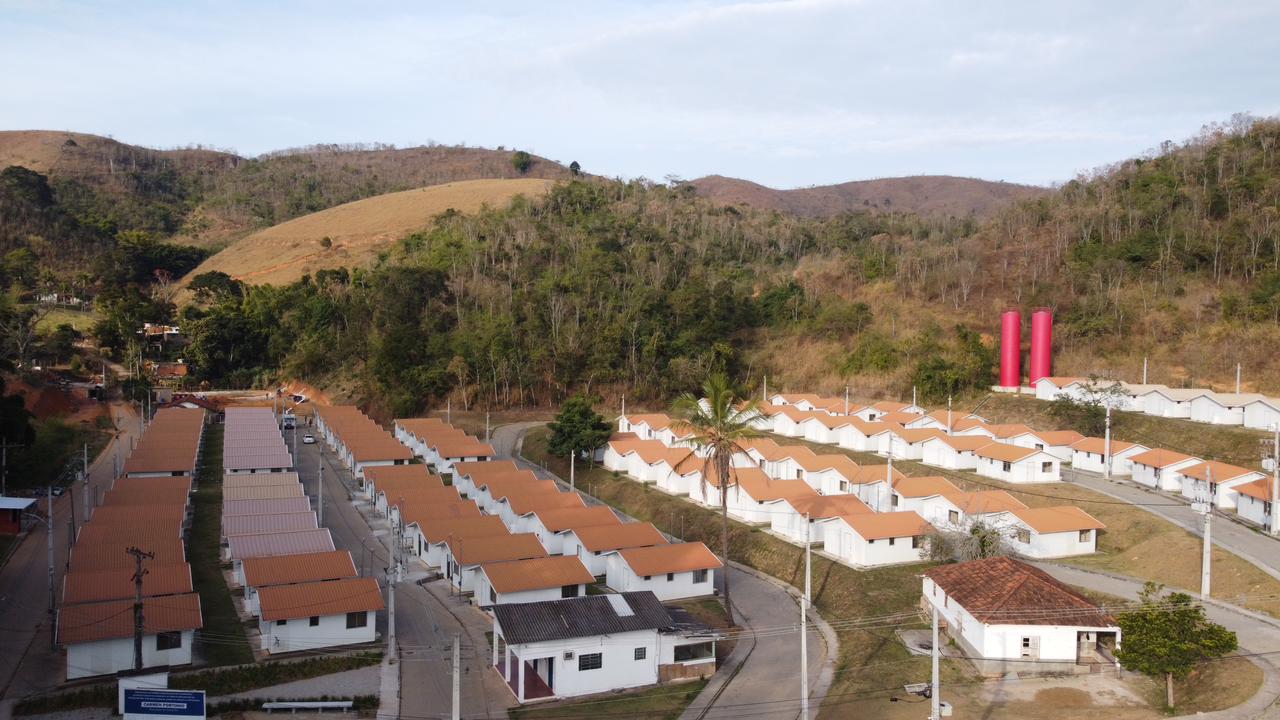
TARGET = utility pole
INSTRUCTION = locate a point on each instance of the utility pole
(846, 401)
(392, 573)
(764, 389)
(1275, 481)
(139, 573)
(448, 410)
(486, 426)
(949, 424)
(1144, 371)
(624, 405)
(913, 394)
(53, 614)
(572, 484)
(1106, 450)
(888, 484)
(1237, 378)
(457, 676)
(935, 711)
(1206, 557)
(804, 628)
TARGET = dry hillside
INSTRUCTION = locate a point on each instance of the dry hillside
(923, 194)
(357, 231)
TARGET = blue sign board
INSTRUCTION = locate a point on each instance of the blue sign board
(161, 704)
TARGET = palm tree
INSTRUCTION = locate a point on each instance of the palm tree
(718, 429)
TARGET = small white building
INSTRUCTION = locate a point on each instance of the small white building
(1055, 442)
(1254, 502)
(1262, 414)
(306, 616)
(1215, 482)
(924, 494)
(552, 525)
(1170, 402)
(594, 545)
(788, 520)
(1090, 454)
(1049, 388)
(953, 452)
(533, 580)
(672, 572)
(433, 546)
(1013, 464)
(1016, 618)
(877, 539)
(99, 636)
(1158, 468)
(878, 410)
(465, 556)
(1222, 408)
(1052, 532)
(1133, 396)
(596, 644)
(829, 474)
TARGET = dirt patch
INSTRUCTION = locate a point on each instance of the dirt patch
(1064, 697)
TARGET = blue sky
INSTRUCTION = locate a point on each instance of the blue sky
(784, 93)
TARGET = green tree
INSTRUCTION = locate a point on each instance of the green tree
(575, 168)
(1169, 635)
(521, 161)
(577, 428)
(718, 431)
(215, 286)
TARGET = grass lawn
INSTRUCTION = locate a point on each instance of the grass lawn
(220, 619)
(78, 319)
(872, 664)
(664, 702)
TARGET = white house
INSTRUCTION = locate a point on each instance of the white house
(596, 644)
(532, 580)
(1158, 468)
(875, 411)
(1013, 464)
(1254, 502)
(1015, 617)
(433, 549)
(290, 569)
(944, 420)
(1222, 408)
(99, 636)
(1215, 482)
(754, 496)
(865, 436)
(877, 539)
(593, 545)
(551, 525)
(873, 485)
(959, 511)
(465, 556)
(1055, 442)
(314, 615)
(1052, 532)
(1262, 414)
(787, 421)
(925, 494)
(907, 444)
(1090, 454)
(672, 572)
(1170, 402)
(1048, 388)
(953, 452)
(1133, 396)
(829, 474)
(466, 475)
(788, 519)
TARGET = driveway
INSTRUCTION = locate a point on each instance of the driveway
(1253, 545)
(27, 665)
(761, 678)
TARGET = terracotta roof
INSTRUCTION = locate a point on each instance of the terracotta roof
(1004, 591)
(328, 597)
(117, 584)
(537, 574)
(963, 443)
(1063, 518)
(1099, 445)
(473, 527)
(306, 567)
(614, 537)
(398, 496)
(89, 622)
(1260, 489)
(466, 446)
(139, 514)
(558, 519)
(891, 406)
(662, 559)
(875, 526)
(1222, 472)
(498, 485)
(483, 468)
(655, 421)
(423, 513)
(829, 506)
(924, 486)
(842, 464)
(874, 473)
(762, 488)
(985, 501)
(1161, 458)
(404, 473)
(1005, 452)
(522, 503)
(108, 556)
(1057, 437)
(1008, 430)
(915, 435)
(500, 548)
(897, 418)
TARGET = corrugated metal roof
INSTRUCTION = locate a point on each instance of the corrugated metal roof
(589, 616)
(117, 584)
(263, 492)
(274, 506)
(280, 543)
(107, 620)
(259, 479)
(303, 567)
(329, 597)
(255, 459)
(258, 524)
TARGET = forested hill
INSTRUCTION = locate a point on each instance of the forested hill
(921, 194)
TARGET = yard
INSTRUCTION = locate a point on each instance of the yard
(663, 702)
(81, 320)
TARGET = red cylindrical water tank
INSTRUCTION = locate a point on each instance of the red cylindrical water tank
(1041, 344)
(1011, 349)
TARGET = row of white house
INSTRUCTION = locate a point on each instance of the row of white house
(1252, 410)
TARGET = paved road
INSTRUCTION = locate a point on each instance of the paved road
(1256, 547)
(27, 665)
(1256, 633)
(762, 674)
(427, 616)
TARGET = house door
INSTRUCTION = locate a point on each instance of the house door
(551, 673)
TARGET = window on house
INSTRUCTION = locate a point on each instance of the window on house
(357, 619)
(953, 516)
(1046, 467)
(641, 653)
(169, 640)
(282, 622)
(871, 541)
(917, 541)
(1085, 535)
(648, 577)
(493, 595)
(569, 591)
(1039, 446)
(844, 486)
(1156, 473)
(699, 576)
(314, 621)
(1006, 466)
(892, 540)
(1024, 535)
(893, 500)
(590, 661)
(671, 577)
(798, 471)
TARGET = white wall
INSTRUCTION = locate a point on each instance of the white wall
(1054, 545)
(620, 578)
(1166, 478)
(850, 547)
(1254, 510)
(1026, 470)
(107, 657)
(1121, 462)
(486, 596)
(619, 669)
(1260, 416)
(1205, 409)
(298, 633)
(939, 454)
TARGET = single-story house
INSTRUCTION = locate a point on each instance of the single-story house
(519, 503)
(1262, 414)
(877, 539)
(11, 514)
(1254, 502)
(944, 420)
(531, 580)
(1013, 464)
(753, 496)
(1134, 395)
(596, 644)
(787, 421)
(1158, 468)
(1215, 482)
(297, 542)
(672, 572)
(788, 519)
(466, 555)
(953, 452)
(1048, 388)
(412, 518)
(306, 616)
(907, 444)
(925, 494)
(1090, 454)
(1055, 442)
(99, 636)
(829, 474)
(877, 410)
(959, 511)
(466, 475)
(292, 569)
(864, 436)
(1222, 408)
(435, 536)
(1170, 402)
(1012, 617)
(592, 545)
(551, 525)
(1052, 532)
